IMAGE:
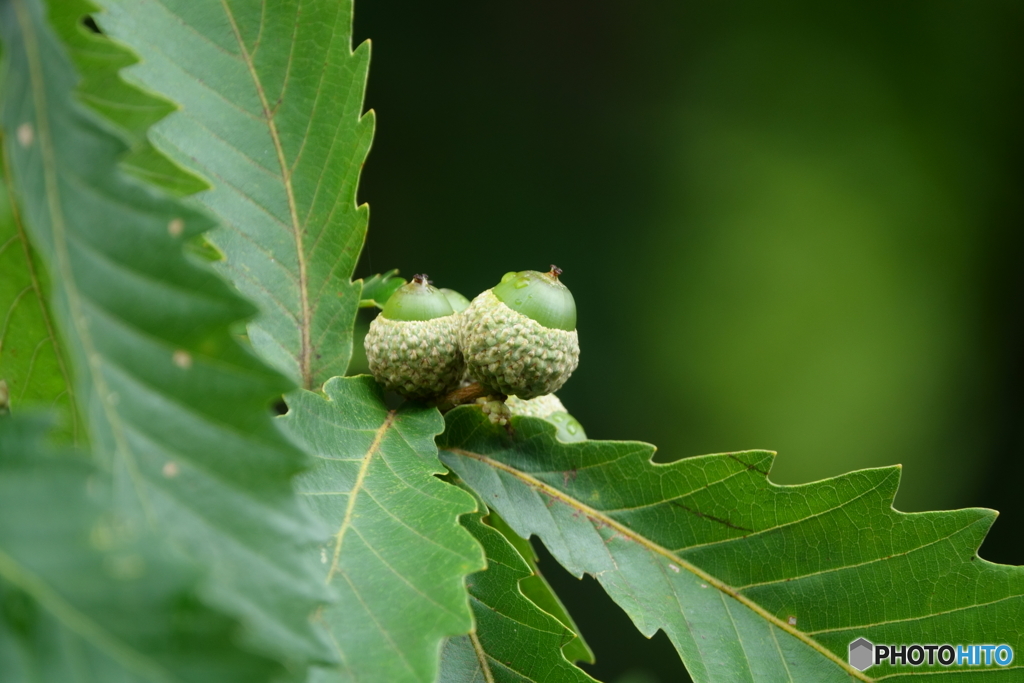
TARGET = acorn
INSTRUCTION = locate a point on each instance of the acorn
(549, 408)
(412, 346)
(519, 337)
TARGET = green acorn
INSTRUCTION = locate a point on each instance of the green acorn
(549, 408)
(412, 346)
(519, 338)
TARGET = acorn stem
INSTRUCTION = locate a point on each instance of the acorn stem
(555, 271)
(464, 395)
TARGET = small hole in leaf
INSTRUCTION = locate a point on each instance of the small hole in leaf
(90, 24)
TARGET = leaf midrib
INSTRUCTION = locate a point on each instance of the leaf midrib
(49, 159)
(305, 371)
(625, 531)
(350, 506)
(481, 657)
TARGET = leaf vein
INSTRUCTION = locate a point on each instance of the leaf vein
(919, 617)
(400, 576)
(778, 648)
(822, 513)
(364, 467)
(305, 371)
(481, 657)
(903, 553)
(387, 636)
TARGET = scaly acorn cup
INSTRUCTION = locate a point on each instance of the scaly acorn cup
(519, 338)
(549, 408)
(412, 346)
(459, 303)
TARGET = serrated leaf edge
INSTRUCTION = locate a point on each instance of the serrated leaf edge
(305, 370)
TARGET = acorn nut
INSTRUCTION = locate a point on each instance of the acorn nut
(519, 337)
(412, 346)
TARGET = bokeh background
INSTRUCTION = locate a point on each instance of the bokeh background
(790, 227)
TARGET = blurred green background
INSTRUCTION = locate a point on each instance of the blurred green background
(790, 227)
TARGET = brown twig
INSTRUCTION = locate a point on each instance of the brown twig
(462, 396)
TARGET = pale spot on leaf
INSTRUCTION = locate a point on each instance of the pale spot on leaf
(791, 620)
(176, 227)
(182, 358)
(26, 134)
(170, 469)
(674, 568)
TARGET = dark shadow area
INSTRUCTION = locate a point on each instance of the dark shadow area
(796, 228)
(619, 647)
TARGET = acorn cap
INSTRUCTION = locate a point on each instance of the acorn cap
(458, 302)
(417, 300)
(539, 296)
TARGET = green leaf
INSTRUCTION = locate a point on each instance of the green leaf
(513, 640)
(538, 590)
(376, 291)
(131, 110)
(750, 581)
(399, 557)
(270, 97)
(178, 412)
(32, 367)
(84, 597)
(379, 288)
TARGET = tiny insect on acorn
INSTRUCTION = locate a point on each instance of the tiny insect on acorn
(519, 337)
(412, 346)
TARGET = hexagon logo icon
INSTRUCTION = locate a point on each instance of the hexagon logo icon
(862, 654)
